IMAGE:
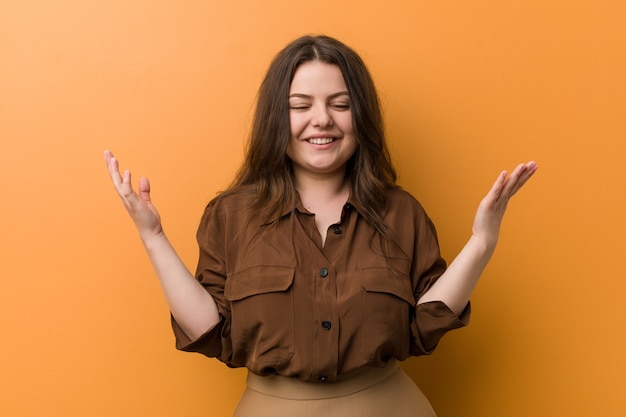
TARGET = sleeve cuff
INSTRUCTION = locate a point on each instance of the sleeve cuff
(432, 321)
(208, 344)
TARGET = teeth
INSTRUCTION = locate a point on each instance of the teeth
(320, 141)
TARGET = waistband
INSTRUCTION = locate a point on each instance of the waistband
(295, 389)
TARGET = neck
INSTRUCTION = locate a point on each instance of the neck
(324, 196)
(321, 187)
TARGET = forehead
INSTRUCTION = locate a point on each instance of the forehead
(317, 77)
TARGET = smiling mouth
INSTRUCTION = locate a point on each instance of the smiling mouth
(320, 141)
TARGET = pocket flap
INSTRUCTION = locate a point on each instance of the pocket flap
(387, 281)
(258, 280)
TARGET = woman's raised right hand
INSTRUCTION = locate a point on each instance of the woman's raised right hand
(138, 204)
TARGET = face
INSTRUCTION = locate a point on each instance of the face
(322, 137)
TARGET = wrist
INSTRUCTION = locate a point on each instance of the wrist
(153, 238)
(484, 245)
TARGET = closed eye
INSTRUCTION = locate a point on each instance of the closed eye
(299, 107)
(340, 106)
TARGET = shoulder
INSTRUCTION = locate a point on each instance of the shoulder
(232, 199)
(405, 212)
(227, 207)
(401, 200)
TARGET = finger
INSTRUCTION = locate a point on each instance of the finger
(144, 189)
(114, 171)
(496, 189)
(126, 178)
(522, 179)
(520, 176)
(107, 156)
(500, 182)
(513, 179)
(524, 175)
(126, 188)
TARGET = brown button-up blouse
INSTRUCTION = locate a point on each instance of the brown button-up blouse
(294, 307)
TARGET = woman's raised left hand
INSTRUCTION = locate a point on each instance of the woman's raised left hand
(493, 206)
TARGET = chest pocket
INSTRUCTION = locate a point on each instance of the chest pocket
(262, 324)
(387, 306)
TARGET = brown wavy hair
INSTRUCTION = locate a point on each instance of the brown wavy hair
(266, 170)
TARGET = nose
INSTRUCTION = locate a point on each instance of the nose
(321, 117)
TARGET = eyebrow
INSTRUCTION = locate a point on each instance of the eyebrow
(335, 95)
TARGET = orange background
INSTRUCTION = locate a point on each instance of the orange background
(469, 88)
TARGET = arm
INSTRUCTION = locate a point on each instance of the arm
(455, 286)
(192, 307)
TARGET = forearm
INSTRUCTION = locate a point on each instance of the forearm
(455, 286)
(191, 305)
(193, 308)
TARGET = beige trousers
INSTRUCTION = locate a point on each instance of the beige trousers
(368, 392)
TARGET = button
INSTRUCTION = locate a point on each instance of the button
(323, 379)
(337, 229)
(323, 272)
(326, 325)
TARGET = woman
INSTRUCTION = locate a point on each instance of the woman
(317, 272)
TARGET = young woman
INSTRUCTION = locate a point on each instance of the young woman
(316, 271)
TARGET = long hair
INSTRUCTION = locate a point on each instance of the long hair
(266, 170)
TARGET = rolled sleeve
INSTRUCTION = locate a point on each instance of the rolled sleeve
(431, 322)
(208, 344)
(211, 273)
